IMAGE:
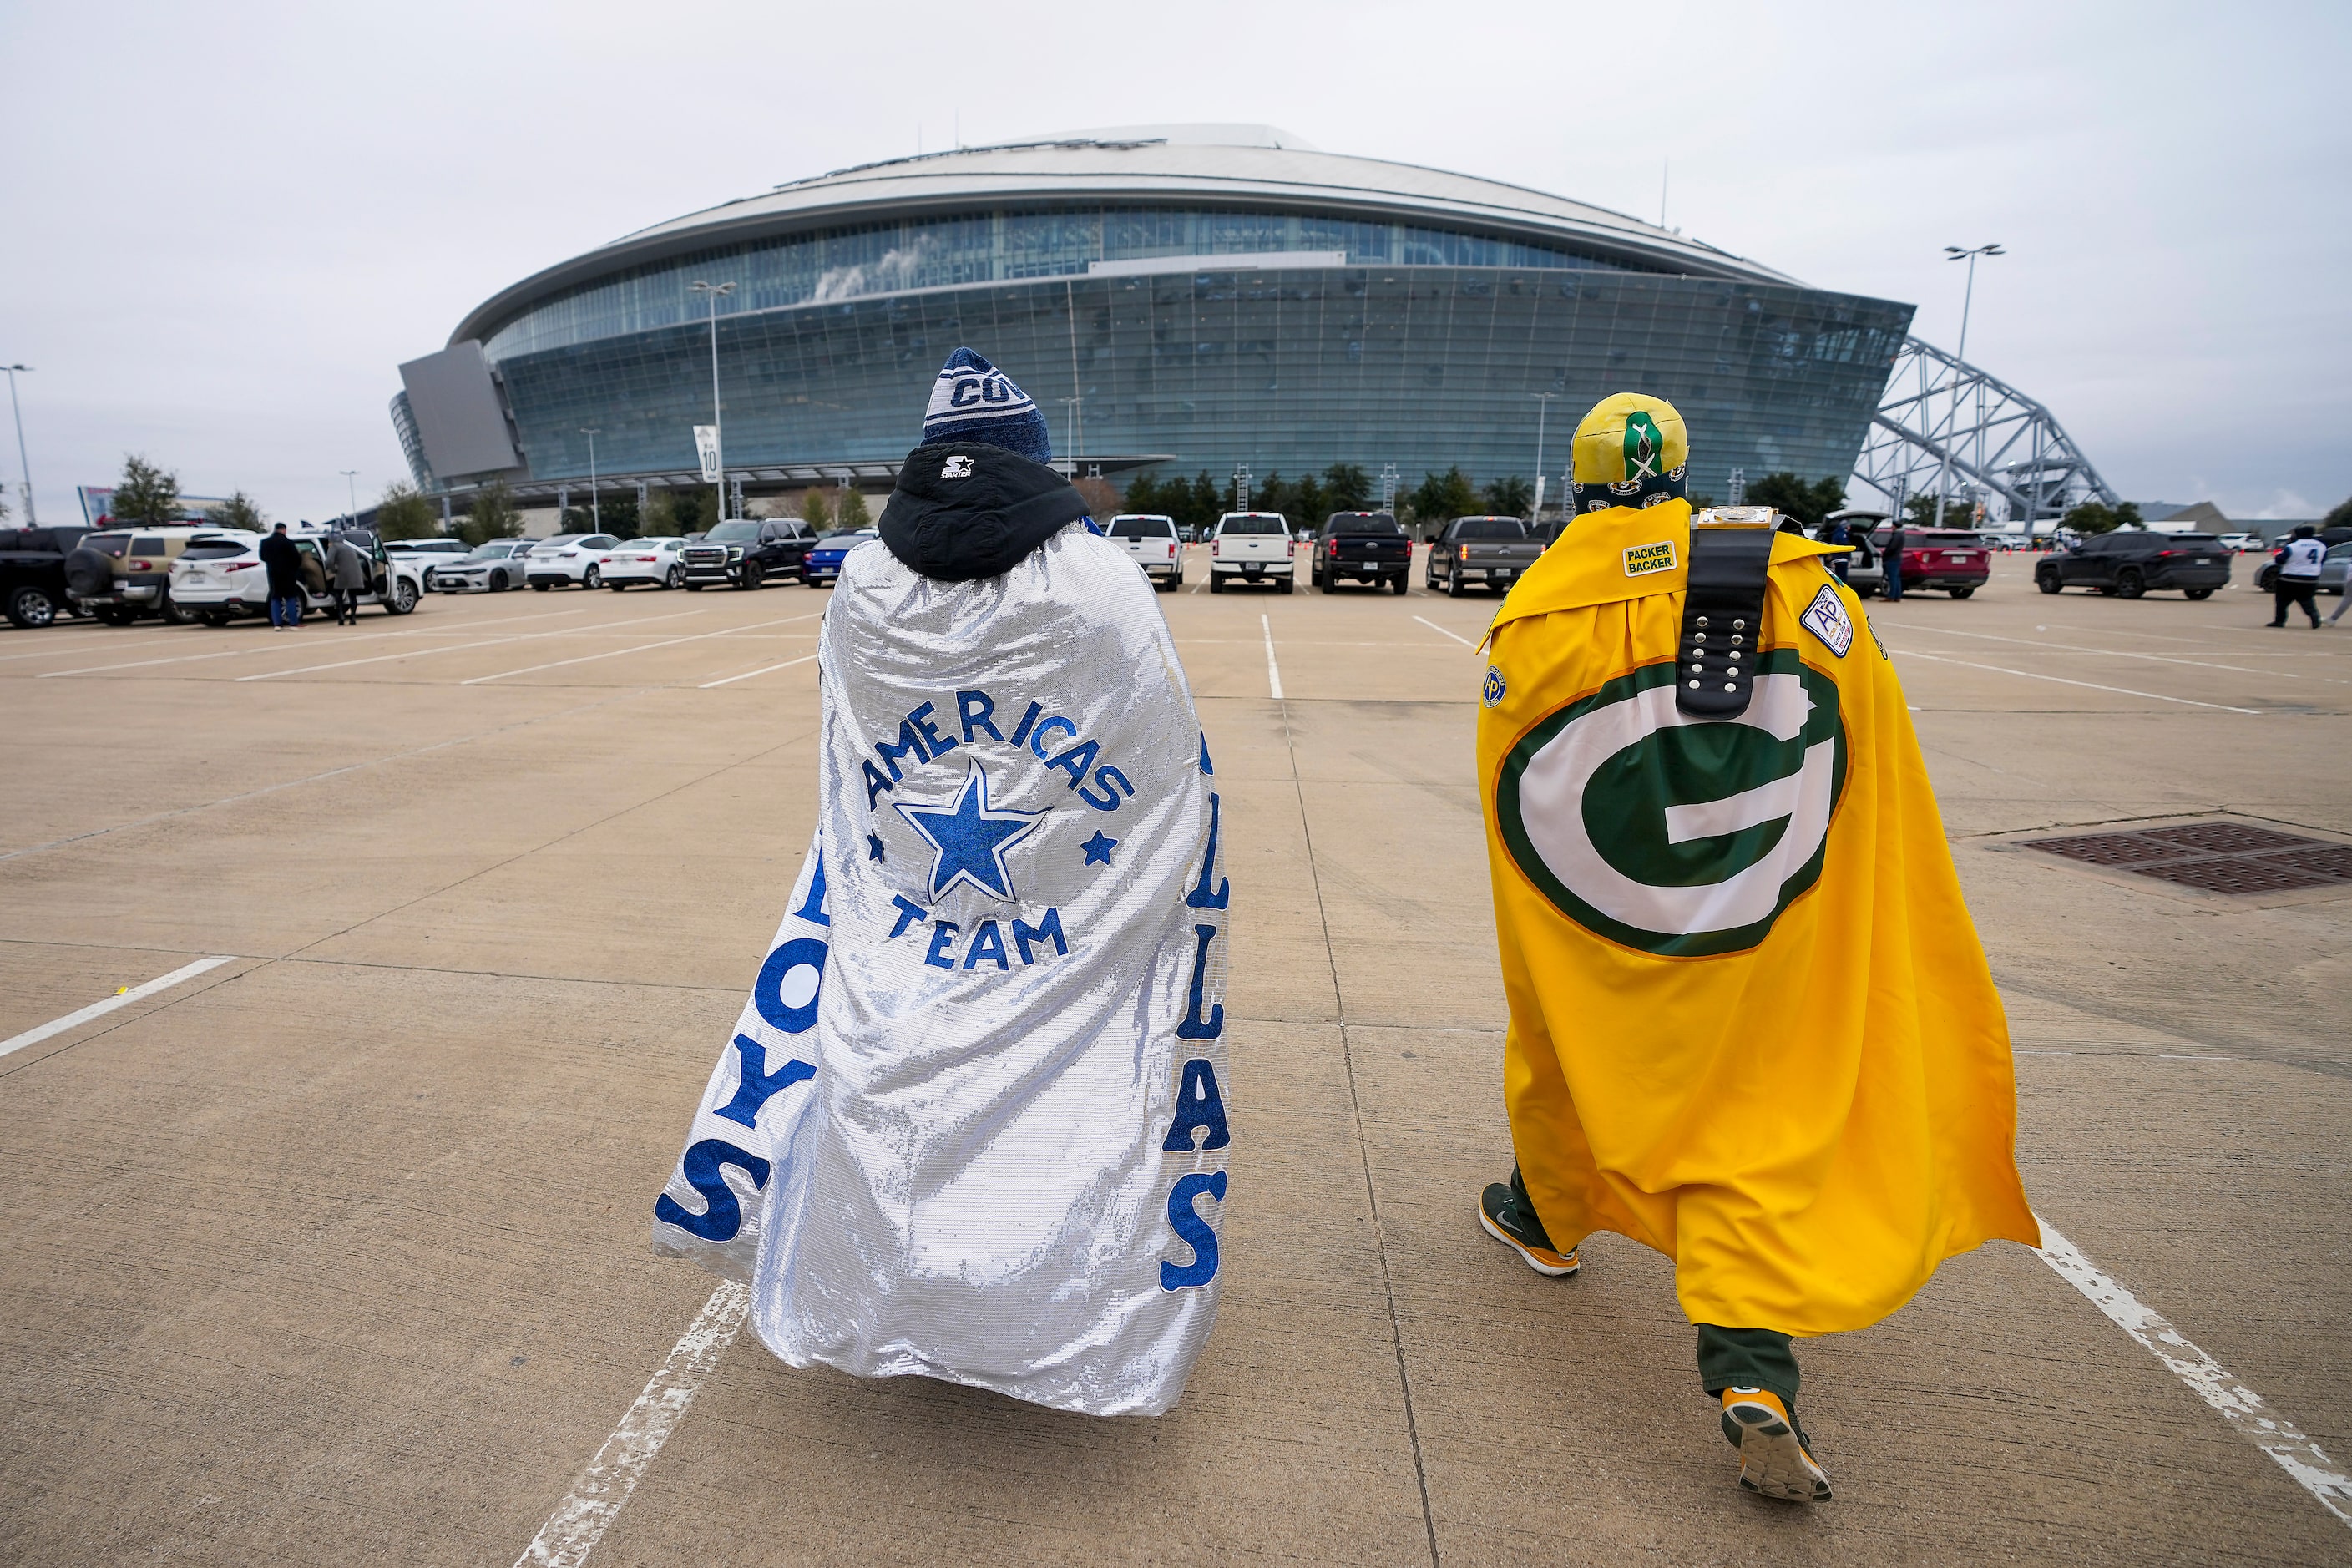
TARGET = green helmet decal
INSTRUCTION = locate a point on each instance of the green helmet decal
(1645, 448)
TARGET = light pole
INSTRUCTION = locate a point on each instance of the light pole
(596, 505)
(22, 466)
(352, 489)
(1543, 412)
(714, 292)
(1956, 253)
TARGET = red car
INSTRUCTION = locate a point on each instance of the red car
(1950, 559)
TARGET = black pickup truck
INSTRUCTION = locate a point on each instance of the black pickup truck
(33, 573)
(1481, 553)
(1368, 546)
(747, 552)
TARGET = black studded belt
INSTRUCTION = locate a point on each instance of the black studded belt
(1723, 619)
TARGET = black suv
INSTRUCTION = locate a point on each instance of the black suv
(1368, 546)
(33, 573)
(747, 552)
(2128, 562)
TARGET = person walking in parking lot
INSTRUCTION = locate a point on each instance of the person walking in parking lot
(283, 562)
(2297, 579)
(1893, 567)
(1700, 779)
(981, 1079)
(348, 565)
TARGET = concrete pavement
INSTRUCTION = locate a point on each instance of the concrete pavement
(337, 1251)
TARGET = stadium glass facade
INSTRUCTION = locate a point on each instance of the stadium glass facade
(1420, 351)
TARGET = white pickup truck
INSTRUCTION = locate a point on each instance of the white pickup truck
(1151, 542)
(1250, 547)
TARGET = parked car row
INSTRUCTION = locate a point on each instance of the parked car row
(179, 572)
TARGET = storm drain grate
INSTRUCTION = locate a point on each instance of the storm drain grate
(2110, 849)
(2217, 856)
(2230, 874)
(2228, 839)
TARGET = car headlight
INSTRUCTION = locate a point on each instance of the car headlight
(734, 552)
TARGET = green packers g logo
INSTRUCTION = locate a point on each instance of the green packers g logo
(1678, 837)
(1645, 449)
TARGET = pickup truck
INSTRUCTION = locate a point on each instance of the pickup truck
(1480, 552)
(1151, 542)
(1368, 546)
(33, 573)
(1250, 547)
(747, 552)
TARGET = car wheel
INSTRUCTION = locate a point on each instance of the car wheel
(403, 597)
(1216, 583)
(2129, 584)
(752, 576)
(1402, 586)
(117, 614)
(541, 587)
(2197, 592)
(2047, 581)
(1961, 592)
(497, 582)
(2266, 580)
(675, 579)
(29, 607)
(217, 617)
(174, 611)
(1454, 585)
(592, 578)
(1288, 584)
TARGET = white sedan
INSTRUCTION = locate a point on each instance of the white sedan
(568, 559)
(427, 553)
(653, 561)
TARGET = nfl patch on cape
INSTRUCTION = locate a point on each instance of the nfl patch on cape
(1641, 560)
(1826, 619)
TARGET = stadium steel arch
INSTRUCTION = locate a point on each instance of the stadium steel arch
(1938, 410)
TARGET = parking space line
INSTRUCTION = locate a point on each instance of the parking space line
(2106, 652)
(641, 648)
(1273, 671)
(120, 999)
(1441, 631)
(2241, 1406)
(82, 644)
(594, 1500)
(750, 673)
(2087, 684)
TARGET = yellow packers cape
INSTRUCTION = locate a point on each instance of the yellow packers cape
(1751, 1025)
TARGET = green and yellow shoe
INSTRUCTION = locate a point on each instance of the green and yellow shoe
(1509, 1216)
(1775, 1461)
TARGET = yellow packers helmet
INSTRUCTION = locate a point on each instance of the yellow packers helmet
(1631, 450)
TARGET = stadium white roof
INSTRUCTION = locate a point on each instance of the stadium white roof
(1224, 165)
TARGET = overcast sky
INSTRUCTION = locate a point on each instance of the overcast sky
(226, 224)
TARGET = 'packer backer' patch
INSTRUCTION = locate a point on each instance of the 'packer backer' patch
(1826, 619)
(1641, 560)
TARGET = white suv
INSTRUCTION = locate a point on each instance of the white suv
(568, 560)
(219, 576)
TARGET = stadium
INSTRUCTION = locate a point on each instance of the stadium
(1175, 298)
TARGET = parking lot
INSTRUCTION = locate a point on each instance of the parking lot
(336, 1250)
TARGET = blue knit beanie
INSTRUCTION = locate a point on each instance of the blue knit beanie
(975, 401)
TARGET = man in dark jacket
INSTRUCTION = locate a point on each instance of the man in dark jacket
(284, 561)
(348, 566)
(2296, 582)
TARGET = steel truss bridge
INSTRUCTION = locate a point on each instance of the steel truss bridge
(1943, 422)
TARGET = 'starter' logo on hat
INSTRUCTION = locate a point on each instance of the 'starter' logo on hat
(958, 466)
(1676, 837)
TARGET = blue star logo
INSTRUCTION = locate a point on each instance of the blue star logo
(1098, 849)
(874, 847)
(971, 839)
